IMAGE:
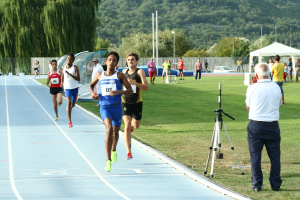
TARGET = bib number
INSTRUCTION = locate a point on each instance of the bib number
(133, 88)
(107, 88)
(54, 80)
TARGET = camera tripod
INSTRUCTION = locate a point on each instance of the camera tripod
(217, 137)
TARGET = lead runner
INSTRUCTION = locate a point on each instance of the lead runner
(133, 104)
(110, 104)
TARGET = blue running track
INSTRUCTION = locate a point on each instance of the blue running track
(44, 159)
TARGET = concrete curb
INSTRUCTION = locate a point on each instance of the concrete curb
(177, 165)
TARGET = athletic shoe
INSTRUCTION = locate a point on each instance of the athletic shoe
(56, 118)
(131, 129)
(114, 156)
(59, 104)
(162, 81)
(129, 156)
(108, 166)
(70, 124)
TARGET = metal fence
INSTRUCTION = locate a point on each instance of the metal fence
(16, 65)
(190, 62)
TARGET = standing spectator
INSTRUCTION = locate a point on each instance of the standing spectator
(285, 72)
(206, 66)
(277, 72)
(297, 69)
(151, 70)
(50, 65)
(290, 68)
(170, 67)
(180, 68)
(270, 65)
(239, 64)
(166, 67)
(198, 69)
(252, 66)
(97, 68)
(263, 100)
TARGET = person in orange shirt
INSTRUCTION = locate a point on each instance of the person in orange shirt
(180, 68)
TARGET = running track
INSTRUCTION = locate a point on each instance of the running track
(44, 159)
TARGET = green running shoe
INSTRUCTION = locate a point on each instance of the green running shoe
(108, 166)
(114, 156)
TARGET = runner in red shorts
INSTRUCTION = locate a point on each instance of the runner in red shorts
(151, 70)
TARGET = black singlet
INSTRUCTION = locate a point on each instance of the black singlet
(135, 97)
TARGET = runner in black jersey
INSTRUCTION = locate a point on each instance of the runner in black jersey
(133, 104)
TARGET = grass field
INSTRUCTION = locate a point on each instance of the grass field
(178, 120)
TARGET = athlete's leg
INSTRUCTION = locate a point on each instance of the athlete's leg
(115, 138)
(127, 132)
(108, 137)
(136, 123)
(59, 99)
(182, 75)
(69, 106)
(54, 103)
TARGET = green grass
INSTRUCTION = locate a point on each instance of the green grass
(178, 120)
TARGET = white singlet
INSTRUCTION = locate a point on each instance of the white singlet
(69, 82)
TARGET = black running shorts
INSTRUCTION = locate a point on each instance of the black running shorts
(180, 70)
(133, 110)
(55, 91)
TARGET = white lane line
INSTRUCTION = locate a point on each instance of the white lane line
(78, 150)
(11, 168)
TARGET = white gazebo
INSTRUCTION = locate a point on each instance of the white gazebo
(275, 49)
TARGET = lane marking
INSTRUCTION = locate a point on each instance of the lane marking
(78, 150)
(11, 170)
(49, 142)
(91, 177)
(138, 171)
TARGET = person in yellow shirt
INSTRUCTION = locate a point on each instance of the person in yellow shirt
(239, 64)
(277, 72)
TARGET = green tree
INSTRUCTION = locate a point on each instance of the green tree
(37, 28)
(196, 53)
(102, 45)
(141, 43)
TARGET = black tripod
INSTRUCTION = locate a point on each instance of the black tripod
(216, 137)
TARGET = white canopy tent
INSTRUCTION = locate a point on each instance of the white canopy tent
(275, 49)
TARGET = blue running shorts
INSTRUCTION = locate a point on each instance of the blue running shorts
(114, 112)
(73, 93)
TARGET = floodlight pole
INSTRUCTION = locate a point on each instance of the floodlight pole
(174, 47)
(153, 55)
(261, 36)
(156, 43)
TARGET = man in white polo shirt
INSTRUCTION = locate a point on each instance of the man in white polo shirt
(97, 68)
(263, 100)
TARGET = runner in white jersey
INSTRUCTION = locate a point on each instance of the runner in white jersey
(109, 96)
(70, 79)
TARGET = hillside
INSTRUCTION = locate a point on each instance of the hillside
(204, 21)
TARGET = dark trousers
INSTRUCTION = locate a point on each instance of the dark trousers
(268, 134)
(198, 71)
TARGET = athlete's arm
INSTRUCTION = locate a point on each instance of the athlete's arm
(48, 78)
(127, 85)
(92, 85)
(77, 76)
(62, 76)
(144, 84)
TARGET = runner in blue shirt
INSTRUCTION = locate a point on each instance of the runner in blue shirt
(109, 97)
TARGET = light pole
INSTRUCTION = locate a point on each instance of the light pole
(174, 47)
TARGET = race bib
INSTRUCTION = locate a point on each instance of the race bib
(133, 88)
(107, 88)
(54, 80)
